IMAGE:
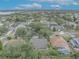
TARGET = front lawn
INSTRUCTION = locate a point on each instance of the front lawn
(60, 57)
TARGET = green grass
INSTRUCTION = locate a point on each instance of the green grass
(61, 57)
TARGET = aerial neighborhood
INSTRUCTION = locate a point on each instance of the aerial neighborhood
(39, 35)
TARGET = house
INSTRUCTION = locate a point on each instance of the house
(59, 42)
(77, 21)
(75, 42)
(14, 42)
(61, 32)
(39, 43)
(70, 25)
(73, 34)
(55, 26)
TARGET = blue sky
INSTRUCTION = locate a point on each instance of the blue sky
(39, 4)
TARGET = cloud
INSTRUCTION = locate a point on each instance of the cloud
(66, 2)
(62, 2)
(75, 3)
(58, 6)
(55, 6)
(29, 6)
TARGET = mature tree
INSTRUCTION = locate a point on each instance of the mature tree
(68, 17)
(45, 32)
(41, 29)
(53, 51)
(74, 55)
(21, 32)
(19, 50)
(59, 21)
(3, 29)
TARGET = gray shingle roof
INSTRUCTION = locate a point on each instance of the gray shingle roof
(75, 42)
(39, 43)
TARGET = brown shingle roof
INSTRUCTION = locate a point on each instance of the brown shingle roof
(15, 42)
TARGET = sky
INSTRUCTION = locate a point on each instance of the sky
(39, 4)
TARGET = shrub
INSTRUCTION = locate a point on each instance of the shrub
(1, 45)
